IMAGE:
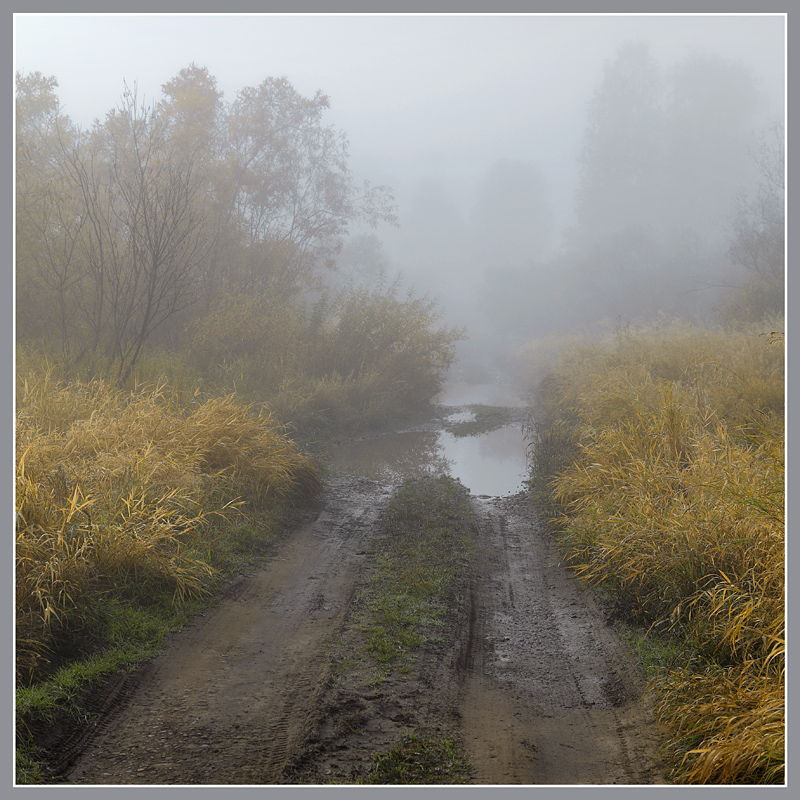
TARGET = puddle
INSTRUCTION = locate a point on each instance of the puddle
(492, 463)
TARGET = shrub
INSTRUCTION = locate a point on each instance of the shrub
(353, 359)
(116, 488)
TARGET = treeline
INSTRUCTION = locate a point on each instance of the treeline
(679, 208)
(200, 226)
(660, 452)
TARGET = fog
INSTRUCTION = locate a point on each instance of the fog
(550, 173)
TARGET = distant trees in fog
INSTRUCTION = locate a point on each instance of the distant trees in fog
(758, 244)
(666, 148)
(679, 197)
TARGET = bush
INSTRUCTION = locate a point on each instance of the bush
(115, 488)
(355, 359)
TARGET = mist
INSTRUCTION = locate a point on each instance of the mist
(549, 174)
(373, 345)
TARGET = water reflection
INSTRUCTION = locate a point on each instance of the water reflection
(393, 457)
(492, 463)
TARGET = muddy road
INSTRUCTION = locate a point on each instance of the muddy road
(237, 690)
(551, 693)
(531, 679)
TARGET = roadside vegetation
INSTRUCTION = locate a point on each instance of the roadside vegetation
(421, 570)
(660, 454)
(177, 342)
(356, 359)
(132, 509)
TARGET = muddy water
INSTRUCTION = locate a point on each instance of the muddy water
(492, 463)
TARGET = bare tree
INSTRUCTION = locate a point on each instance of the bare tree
(759, 231)
(143, 244)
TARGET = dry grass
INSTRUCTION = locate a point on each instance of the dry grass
(114, 487)
(675, 499)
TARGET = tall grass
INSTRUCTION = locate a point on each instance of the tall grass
(670, 484)
(117, 488)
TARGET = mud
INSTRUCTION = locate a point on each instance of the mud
(551, 694)
(272, 686)
(237, 691)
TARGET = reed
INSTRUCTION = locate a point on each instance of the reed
(116, 489)
(673, 498)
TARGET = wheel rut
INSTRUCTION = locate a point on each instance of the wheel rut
(235, 692)
(551, 694)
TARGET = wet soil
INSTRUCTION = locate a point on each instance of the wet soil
(552, 695)
(272, 686)
(238, 690)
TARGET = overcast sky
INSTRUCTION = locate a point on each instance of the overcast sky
(414, 93)
(428, 102)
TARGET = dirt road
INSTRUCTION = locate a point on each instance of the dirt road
(552, 695)
(534, 682)
(237, 690)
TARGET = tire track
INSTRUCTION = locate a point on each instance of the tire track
(551, 696)
(234, 694)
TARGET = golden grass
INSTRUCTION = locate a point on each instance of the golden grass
(676, 500)
(115, 486)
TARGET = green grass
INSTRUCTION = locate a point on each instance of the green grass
(421, 760)
(426, 551)
(656, 653)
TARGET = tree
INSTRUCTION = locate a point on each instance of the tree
(665, 149)
(123, 229)
(758, 244)
(709, 115)
(361, 262)
(293, 195)
(622, 156)
(194, 113)
(143, 243)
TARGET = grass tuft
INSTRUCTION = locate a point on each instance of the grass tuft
(421, 760)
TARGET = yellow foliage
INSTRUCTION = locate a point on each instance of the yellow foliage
(114, 486)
